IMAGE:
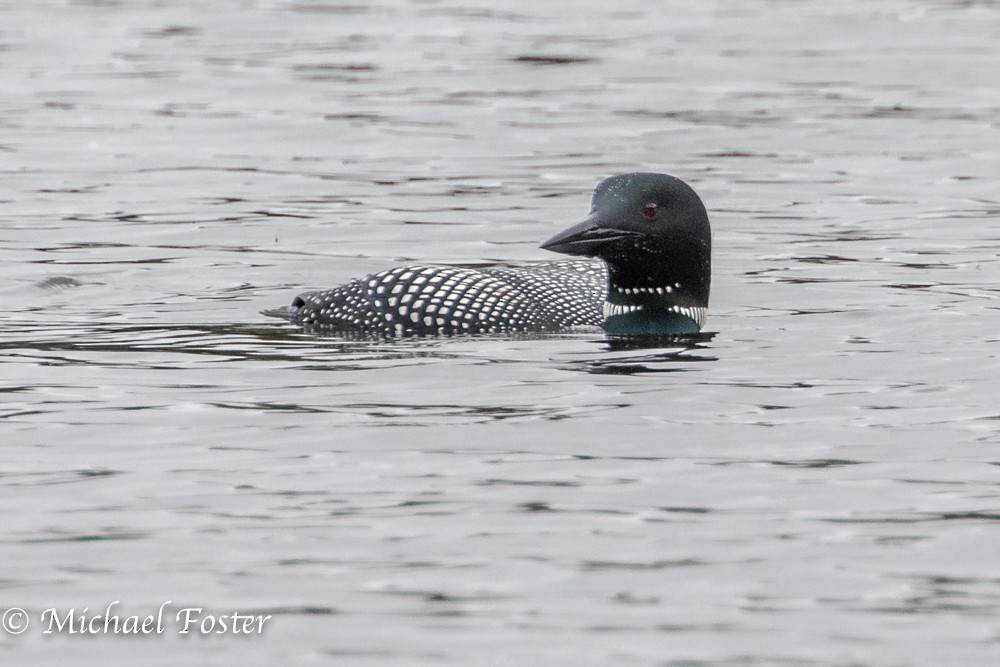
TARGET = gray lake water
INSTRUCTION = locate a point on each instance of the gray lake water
(814, 482)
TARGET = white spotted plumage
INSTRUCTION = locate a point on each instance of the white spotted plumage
(442, 299)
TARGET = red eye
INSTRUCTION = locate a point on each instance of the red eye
(649, 210)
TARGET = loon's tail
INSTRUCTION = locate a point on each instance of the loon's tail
(285, 312)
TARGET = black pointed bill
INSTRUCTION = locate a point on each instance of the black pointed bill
(587, 238)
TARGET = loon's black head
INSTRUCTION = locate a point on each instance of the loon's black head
(653, 232)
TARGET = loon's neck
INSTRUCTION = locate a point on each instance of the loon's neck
(654, 302)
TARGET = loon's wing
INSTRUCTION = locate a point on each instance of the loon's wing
(421, 300)
(445, 300)
(571, 291)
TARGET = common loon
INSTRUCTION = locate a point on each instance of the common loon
(652, 237)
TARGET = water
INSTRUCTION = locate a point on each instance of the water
(815, 482)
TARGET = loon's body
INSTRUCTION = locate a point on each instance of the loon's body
(650, 233)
